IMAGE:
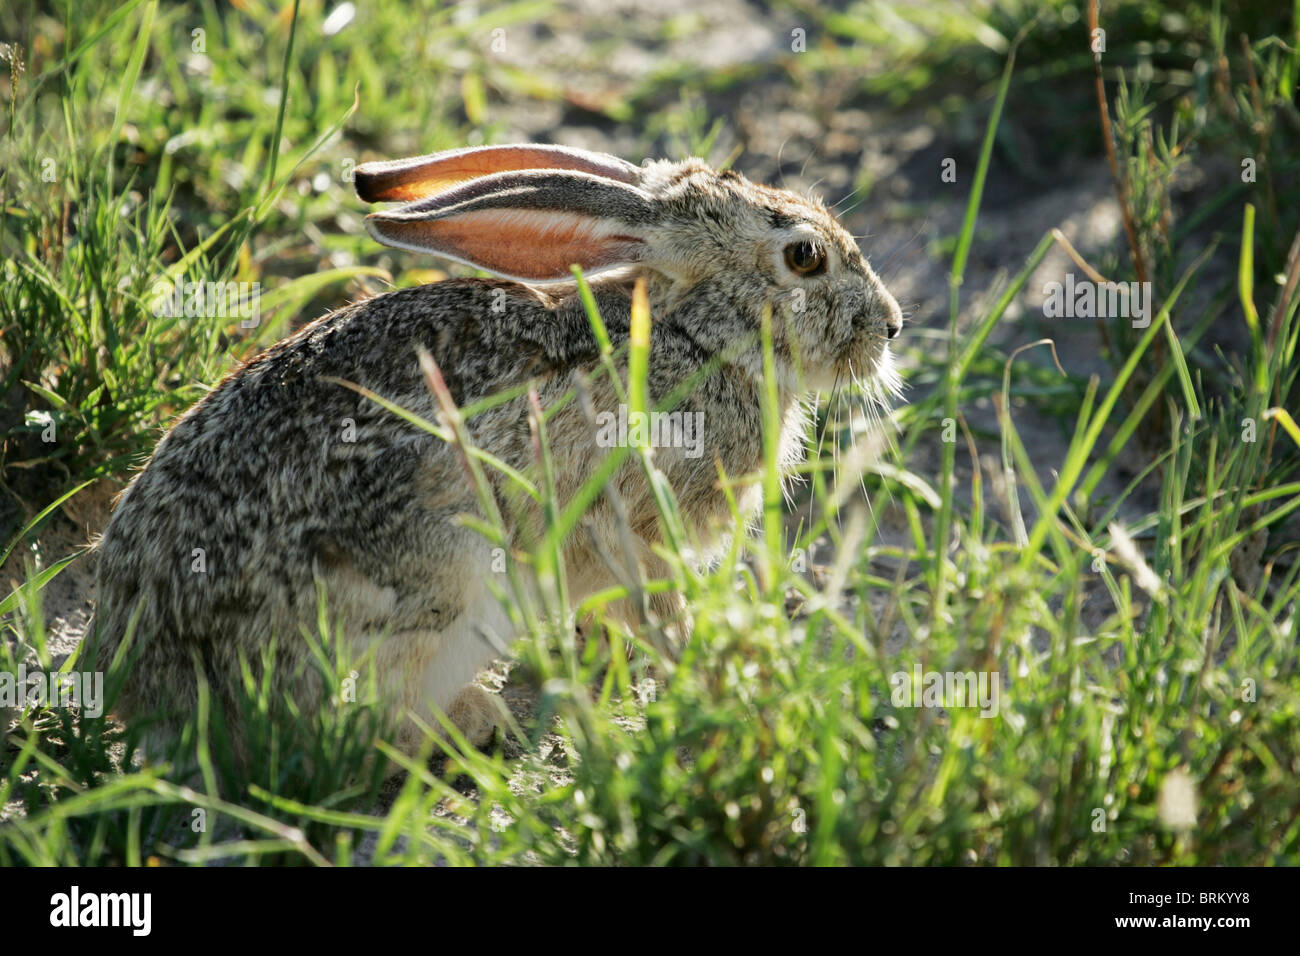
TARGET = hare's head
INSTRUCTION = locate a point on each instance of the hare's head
(715, 248)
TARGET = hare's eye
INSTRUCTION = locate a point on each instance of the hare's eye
(806, 257)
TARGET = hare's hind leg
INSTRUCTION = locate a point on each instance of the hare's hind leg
(477, 713)
(435, 671)
(480, 634)
(431, 628)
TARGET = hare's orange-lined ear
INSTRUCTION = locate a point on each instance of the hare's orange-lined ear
(530, 225)
(402, 180)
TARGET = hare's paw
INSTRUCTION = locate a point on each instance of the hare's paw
(477, 714)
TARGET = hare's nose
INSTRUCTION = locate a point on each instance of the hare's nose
(893, 319)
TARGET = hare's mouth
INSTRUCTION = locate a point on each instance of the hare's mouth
(866, 355)
(867, 362)
(876, 374)
(854, 345)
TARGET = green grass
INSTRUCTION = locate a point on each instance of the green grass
(1135, 649)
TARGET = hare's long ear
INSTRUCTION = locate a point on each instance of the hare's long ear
(402, 180)
(530, 225)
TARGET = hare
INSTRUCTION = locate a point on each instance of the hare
(283, 480)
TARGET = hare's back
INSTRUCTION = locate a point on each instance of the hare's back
(281, 471)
